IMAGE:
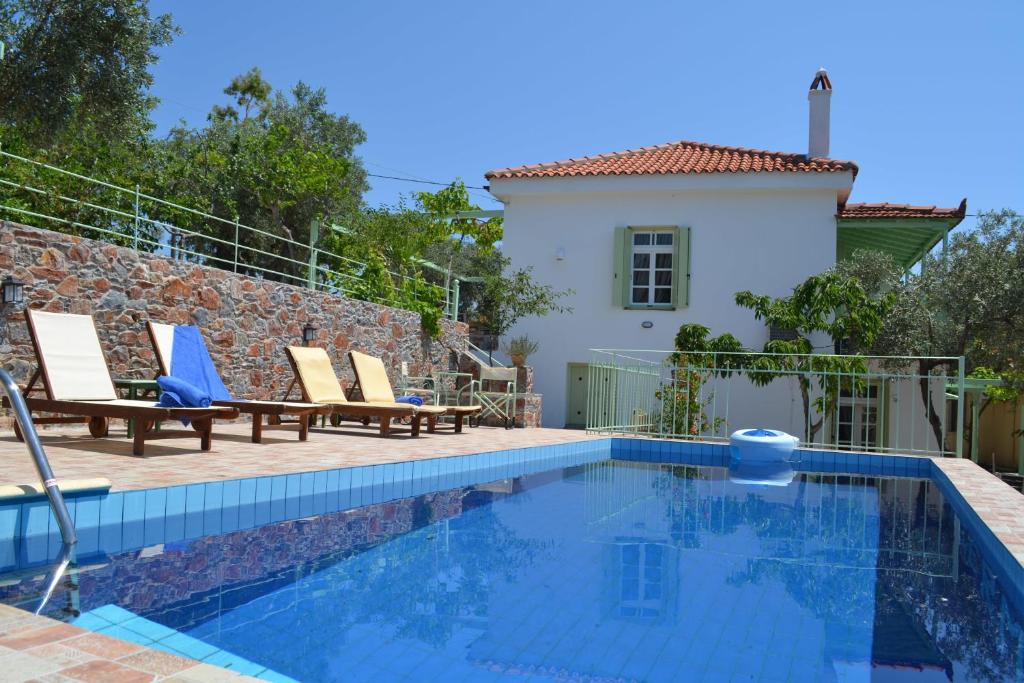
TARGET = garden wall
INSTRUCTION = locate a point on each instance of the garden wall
(247, 321)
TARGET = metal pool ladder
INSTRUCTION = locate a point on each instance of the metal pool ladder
(28, 430)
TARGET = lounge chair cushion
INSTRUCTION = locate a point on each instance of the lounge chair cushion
(373, 378)
(72, 358)
(317, 374)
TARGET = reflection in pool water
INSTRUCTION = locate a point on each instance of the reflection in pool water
(609, 571)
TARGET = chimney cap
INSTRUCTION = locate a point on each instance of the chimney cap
(821, 80)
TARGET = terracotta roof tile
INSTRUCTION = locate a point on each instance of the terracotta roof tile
(884, 210)
(678, 157)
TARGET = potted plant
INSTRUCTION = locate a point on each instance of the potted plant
(518, 348)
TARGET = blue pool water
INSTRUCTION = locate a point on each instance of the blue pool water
(606, 571)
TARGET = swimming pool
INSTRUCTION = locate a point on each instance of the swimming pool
(559, 563)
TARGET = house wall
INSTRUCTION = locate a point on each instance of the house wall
(765, 234)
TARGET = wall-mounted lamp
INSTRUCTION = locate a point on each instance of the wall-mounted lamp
(12, 291)
(308, 334)
(560, 254)
(647, 324)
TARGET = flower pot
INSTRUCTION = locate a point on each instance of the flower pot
(518, 359)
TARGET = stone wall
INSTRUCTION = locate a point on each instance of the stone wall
(247, 321)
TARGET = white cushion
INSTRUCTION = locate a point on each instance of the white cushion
(163, 343)
(73, 358)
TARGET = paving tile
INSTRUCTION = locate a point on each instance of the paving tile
(156, 662)
(103, 646)
(103, 671)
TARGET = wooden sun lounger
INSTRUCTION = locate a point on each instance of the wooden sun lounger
(162, 337)
(78, 387)
(373, 383)
(314, 374)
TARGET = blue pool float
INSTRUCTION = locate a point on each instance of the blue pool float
(762, 445)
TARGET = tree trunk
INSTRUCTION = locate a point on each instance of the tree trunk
(934, 420)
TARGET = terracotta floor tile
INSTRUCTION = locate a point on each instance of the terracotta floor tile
(156, 662)
(40, 636)
(102, 671)
(103, 646)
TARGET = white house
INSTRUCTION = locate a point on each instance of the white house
(655, 237)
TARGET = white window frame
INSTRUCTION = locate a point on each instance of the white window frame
(653, 250)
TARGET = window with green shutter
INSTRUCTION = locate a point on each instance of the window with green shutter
(652, 267)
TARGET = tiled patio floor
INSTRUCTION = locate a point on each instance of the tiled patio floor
(73, 454)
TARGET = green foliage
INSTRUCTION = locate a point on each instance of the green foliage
(282, 163)
(831, 304)
(510, 296)
(410, 291)
(83, 66)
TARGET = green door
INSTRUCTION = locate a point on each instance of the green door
(576, 410)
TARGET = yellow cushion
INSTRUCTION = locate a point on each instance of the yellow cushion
(373, 378)
(317, 374)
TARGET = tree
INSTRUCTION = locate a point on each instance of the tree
(441, 208)
(832, 304)
(277, 162)
(697, 359)
(511, 295)
(964, 302)
(74, 66)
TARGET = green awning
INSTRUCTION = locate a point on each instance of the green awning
(904, 232)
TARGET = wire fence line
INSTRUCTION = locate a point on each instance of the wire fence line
(76, 203)
(881, 404)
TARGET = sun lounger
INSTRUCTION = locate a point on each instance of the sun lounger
(375, 387)
(77, 384)
(162, 336)
(319, 384)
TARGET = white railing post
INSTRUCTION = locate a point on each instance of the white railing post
(235, 261)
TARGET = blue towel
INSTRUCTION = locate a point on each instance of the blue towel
(177, 393)
(194, 382)
(412, 400)
(191, 362)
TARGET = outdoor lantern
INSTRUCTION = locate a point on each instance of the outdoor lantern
(308, 334)
(13, 292)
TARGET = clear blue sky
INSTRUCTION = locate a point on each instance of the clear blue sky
(929, 96)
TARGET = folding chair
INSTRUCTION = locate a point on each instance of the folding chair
(495, 400)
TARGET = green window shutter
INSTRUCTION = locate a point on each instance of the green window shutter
(681, 268)
(620, 268)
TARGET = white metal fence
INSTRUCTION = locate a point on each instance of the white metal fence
(862, 403)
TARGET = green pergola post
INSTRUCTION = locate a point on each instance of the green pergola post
(975, 417)
(314, 236)
(454, 312)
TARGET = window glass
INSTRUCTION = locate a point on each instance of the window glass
(652, 276)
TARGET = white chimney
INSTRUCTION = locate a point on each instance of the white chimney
(819, 98)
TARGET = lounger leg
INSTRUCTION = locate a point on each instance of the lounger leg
(257, 427)
(385, 426)
(458, 423)
(416, 419)
(304, 425)
(139, 441)
(431, 423)
(205, 429)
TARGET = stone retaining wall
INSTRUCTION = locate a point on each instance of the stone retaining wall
(247, 321)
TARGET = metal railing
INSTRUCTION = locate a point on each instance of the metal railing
(72, 202)
(35, 449)
(864, 403)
